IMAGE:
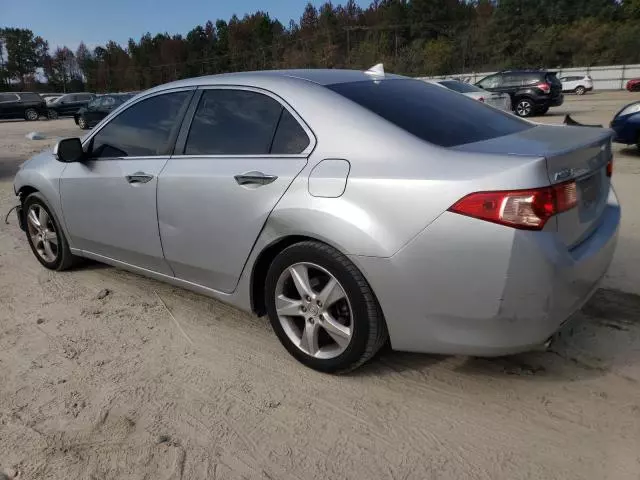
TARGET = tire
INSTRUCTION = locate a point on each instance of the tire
(542, 111)
(31, 114)
(52, 115)
(523, 107)
(54, 258)
(352, 305)
(580, 90)
(82, 123)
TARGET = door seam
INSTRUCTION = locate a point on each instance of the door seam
(164, 257)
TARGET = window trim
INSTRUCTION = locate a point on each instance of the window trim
(181, 141)
(88, 140)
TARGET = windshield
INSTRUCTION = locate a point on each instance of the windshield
(460, 87)
(429, 112)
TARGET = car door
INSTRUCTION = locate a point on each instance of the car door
(109, 200)
(241, 152)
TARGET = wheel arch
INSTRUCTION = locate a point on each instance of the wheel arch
(261, 266)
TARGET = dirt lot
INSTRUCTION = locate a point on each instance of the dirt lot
(107, 375)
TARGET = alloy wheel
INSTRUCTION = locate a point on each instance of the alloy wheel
(314, 310)
(580, 91)
(31, 114)
(523, 109)
(42, 233)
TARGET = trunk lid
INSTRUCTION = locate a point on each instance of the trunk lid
(577, 154)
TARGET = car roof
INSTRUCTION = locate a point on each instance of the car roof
(318, 76)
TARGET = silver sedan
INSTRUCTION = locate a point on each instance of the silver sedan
(497, 100)
(352, 208)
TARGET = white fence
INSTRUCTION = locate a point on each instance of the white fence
(612, 77)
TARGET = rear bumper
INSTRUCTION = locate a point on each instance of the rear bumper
(556, 101)
(493, 291)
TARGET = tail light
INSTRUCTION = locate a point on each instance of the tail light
(481, 99)
(545, 87)
(610, 168)
(522, 209)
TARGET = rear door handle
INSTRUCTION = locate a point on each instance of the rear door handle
(139, 177)
(255, 178)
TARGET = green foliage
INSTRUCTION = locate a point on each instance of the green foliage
(415, 37)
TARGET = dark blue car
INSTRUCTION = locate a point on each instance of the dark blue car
(626, 124)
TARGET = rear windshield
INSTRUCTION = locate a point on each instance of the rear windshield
(434, 114)
(460, 87)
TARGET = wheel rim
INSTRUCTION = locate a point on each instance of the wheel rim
(523, 109)
(32, 115)
(82, 122)
(314, 310)
(580, 90)
(42, 233)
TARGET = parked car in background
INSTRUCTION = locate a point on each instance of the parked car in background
(51, 98)
(27, 105)
(633, 85)
(532, 92)
(626, 124)
(498, 100)
(352, 208)
(98, 108)
(68, 104)
(579, 84)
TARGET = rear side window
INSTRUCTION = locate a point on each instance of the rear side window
(431, 113)
(460, 87)
(233, 122)
(8, 97)
(30, 97)
(290, 137)
(147, 128)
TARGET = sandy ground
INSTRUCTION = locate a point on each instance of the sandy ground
(107, 375)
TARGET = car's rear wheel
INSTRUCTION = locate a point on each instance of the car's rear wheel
(580, 90)
(82, 123)
(31, 114)
(45, 237)
(52, 114)
(524, 107)
(322, 308)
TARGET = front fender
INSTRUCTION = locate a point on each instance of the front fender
(42, 173)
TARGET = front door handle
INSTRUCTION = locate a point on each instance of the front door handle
(139, 177)
(255, 178)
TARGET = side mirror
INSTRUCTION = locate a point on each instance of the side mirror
(69, 150)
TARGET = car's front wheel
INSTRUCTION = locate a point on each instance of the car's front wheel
(82, 123)
(524, 108)
(322, 308)
(580, 90)
(31, 114)
(45, 237)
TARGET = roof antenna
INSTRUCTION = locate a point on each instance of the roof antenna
(376, 71)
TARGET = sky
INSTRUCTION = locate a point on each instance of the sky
(67, 22)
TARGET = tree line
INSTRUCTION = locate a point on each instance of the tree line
(413, 37)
